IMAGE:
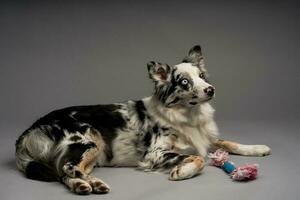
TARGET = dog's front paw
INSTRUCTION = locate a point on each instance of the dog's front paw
(190, 166)
(175, 174)
(261, 150)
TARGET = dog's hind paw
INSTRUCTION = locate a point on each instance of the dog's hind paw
(82, 187)
(99, 187)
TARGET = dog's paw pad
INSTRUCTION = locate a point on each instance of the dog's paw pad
(174, 174)
(82, 188)
(100, 187)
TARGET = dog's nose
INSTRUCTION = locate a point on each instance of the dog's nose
(210, 91)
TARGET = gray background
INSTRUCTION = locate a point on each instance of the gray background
(57, 54)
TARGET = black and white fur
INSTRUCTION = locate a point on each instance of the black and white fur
(170, 131)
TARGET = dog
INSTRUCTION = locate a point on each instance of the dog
(171, 131)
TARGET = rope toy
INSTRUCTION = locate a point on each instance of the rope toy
(242, 173)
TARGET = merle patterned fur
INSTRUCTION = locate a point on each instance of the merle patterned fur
(170, 131)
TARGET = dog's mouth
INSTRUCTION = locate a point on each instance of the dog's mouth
(193, 103)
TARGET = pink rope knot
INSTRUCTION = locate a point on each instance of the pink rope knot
(219, 157)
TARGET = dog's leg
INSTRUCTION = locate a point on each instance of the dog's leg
(80, 173)
(76, 177)
(179, 166)
(79, 160)
(242, 149)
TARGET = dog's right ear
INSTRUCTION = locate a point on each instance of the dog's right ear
(195, 57)
(159, 72)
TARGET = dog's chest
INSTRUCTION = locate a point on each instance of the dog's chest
(197, 138)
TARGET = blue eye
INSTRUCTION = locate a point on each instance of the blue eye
(184, 82)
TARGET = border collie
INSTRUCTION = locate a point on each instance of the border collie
(171, 131)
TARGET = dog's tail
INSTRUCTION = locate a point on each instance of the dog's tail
(28, 165)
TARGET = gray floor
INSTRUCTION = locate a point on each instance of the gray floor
(278, 173)
(60, 53)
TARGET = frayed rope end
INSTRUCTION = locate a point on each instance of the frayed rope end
(245, 172)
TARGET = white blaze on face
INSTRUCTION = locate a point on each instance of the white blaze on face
(193, 72)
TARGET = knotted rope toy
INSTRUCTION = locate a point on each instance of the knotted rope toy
(242, 173)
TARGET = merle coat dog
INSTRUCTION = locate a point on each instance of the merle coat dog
(170, 131)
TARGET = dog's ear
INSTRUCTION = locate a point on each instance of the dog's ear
(195, 57)
(159, 72)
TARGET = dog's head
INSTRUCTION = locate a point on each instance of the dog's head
(184, 84)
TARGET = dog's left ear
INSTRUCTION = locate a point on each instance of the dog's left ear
(159, 72)
(195, 57)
